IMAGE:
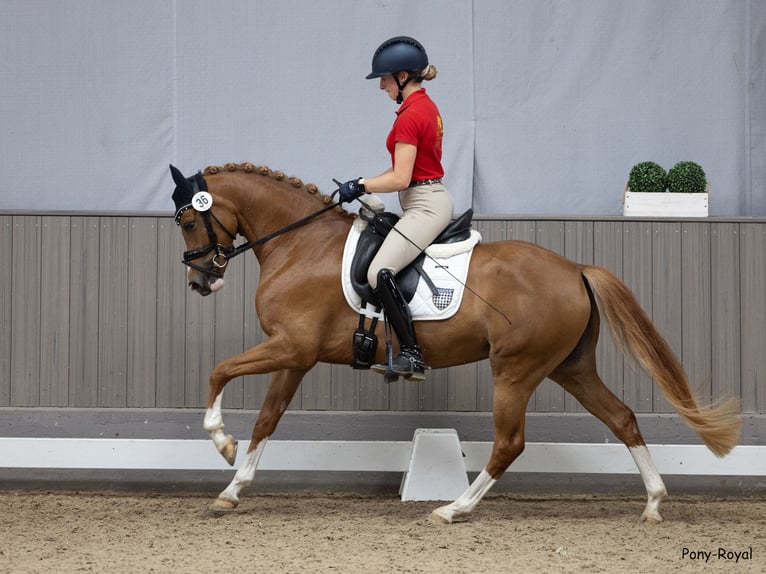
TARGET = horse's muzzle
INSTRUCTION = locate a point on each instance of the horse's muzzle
(201, 283)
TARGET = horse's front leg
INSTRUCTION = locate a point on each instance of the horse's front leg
(281, 391)
(226, 444)
(259, 359)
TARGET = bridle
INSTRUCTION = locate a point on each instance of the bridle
(223, 253)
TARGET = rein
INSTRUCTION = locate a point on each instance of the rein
(223, 253)
(247, 246)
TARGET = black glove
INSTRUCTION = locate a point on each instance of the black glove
(350, 190)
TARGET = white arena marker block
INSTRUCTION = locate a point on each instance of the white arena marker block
(436, 470)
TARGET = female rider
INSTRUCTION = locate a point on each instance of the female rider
(415, 145)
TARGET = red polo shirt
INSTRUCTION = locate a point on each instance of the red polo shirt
(419, 123)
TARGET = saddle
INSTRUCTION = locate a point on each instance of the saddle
(379, 225)
(370, 240)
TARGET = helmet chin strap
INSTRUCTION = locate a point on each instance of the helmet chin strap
(401, 85)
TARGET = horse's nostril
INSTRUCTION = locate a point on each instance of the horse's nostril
(193, 286)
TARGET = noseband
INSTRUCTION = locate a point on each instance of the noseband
(225, 252)
(222, 252)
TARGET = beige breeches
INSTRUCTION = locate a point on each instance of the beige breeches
(427, 211)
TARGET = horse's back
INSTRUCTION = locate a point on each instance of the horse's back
(541, 293)
(522, 262)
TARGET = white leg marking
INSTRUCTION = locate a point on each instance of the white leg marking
(245, 474)
(655, 488)
(467, 501)
(214, 423)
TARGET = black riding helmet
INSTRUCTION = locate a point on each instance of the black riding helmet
(399, 54)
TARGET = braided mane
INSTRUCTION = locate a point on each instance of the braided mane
(265, 171)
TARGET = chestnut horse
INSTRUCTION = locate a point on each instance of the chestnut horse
(542, 320)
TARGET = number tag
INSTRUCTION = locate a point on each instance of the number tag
(202, 201)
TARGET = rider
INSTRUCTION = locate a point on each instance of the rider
(415, 145)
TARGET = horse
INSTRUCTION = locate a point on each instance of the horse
(531, 312)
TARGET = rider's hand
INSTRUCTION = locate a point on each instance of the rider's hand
(350, 190)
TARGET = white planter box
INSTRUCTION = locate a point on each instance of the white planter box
(666, 204)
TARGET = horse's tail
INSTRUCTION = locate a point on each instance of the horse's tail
(636, 336)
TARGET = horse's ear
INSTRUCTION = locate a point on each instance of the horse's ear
(178, 177)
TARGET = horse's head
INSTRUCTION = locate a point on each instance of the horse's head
(201, 221)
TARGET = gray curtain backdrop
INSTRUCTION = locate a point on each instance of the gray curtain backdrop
(547, 104)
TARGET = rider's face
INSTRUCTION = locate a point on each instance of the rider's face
(388, 85)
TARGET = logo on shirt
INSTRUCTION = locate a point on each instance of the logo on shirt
(439, 131)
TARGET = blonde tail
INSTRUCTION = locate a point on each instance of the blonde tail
(717, 425)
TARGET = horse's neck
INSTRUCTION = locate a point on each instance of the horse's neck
(270, 208)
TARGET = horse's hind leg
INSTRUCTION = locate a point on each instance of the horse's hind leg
(588, 388)
(510, 404)
(281, 390)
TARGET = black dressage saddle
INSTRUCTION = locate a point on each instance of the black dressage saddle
(370, 240)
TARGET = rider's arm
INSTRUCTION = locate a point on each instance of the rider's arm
(398, 177)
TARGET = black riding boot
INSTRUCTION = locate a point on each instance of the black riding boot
(409, 363)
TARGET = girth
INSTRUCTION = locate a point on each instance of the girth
(370, 240)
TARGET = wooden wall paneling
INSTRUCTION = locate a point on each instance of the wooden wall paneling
(93, 320)
(143, 300)
(550, 397)
(113, 312)
(608, 253)
(171, 316)
(229, 327)
(434, 391)
(25, 311)
(405, 395)
(374, 392)
(199, 351)
(696, 325)
(726, 295)
(514, 230)
(666, 293)
(84, 288)
(345, 388)
(637, 270)
(753, 268)
(54, 311)
(579, 241)
(6, 308)
(315, 392)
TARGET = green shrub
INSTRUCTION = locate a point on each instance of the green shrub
(686, 177)
(647, 177)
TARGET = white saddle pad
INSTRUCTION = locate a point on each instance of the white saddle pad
(446, 265)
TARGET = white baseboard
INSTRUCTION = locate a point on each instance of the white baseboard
(365, 456)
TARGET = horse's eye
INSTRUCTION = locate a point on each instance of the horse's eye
(189, 226)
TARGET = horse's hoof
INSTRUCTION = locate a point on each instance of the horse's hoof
(229, 451)
(441, 516)
(651, 517)
(223, 505)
